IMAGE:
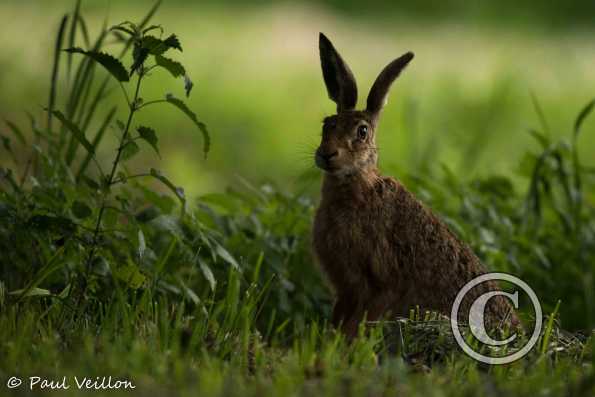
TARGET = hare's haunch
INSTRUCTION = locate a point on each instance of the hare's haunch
(381, 248)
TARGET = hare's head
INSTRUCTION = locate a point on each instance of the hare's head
(349, 137)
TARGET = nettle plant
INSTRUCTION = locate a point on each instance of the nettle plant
(148, 53)
(75, 225)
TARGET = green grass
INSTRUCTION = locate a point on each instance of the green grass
(166, 348)
(219, 295)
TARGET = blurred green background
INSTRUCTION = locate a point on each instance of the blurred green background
(464, 102)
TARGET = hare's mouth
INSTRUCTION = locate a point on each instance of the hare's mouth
(327, 167)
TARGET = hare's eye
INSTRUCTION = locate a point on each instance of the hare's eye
(362, 132)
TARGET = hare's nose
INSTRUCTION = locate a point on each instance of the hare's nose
(328, 156)
(323, 159)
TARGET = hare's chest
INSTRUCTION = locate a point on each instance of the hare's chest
(352, 243)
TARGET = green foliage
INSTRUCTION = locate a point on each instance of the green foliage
(148, 134)
(175, 68)
(102, 268)
(110, 63)
(79, 229)
(201, 126)
(75, 131)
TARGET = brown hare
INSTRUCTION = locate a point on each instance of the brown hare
(382, 249)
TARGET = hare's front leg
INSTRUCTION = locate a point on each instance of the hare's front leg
(349, 311)
(376, 306)
(344, 309)
(372, 308)
(347, 314)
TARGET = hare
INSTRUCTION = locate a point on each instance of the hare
(382, 250)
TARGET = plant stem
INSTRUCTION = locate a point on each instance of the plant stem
(109, 181)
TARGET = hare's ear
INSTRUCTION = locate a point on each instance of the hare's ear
(338, 78)
(379, 91)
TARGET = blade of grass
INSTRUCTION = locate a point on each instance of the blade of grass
(576, 164)
(84, 30)
(582, 116)
(85, 96)
(540, 114)
(16, 131)
(83, 80)
(75, 130)
(51, 266)
(96, 141)
(73, 144)
(72, 36)
(80, 82)
(99, 96)
(150, 14)
(55, 72)
(548, 329)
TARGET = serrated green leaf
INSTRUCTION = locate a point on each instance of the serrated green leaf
(129, 150)
(157, 46)
(81, 210)
(154, 45)
(139, 56)
(111, 64)
(201, 126)
(178, 191)
(148, 134)
(75, 130)
(173, 42)
(175, 68)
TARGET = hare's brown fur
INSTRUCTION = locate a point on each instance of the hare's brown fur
(382, 249)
